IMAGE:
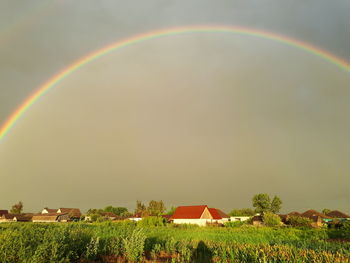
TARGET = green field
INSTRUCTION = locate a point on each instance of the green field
(119, 242)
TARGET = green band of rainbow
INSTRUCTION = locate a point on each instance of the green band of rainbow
(53, 81)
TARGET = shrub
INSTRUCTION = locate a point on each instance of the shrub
(152, 221)
(299, 221)
(271, 219)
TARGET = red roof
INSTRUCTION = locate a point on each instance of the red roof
(196, 211)
(217, 214)
(189, 212)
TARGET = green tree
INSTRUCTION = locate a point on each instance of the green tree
(262, 203)
(276, 204)
(17, 208)
(116, 210)
(326, 211)
(242, 212)
(171, 211)
(156, 208)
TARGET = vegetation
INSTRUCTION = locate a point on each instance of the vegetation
(134, 242)
(271, 219)
(17, 208)
(299, 221)
(154, 208)
(242, 212)
(263, 203)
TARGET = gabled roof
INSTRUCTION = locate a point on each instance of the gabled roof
(217, 213)
(196, 211)
(294, 213)
(313, 213)
(74, 212)
(50, 210)
(189, 212)
(337, 214)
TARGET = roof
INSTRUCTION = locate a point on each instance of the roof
(50, 210)
(312, 213)
(196, 211)
(189, 212)
(294, 213)
(217, 213)
(23, 217)
(9, 216)
(74, 212)
(2, 212)
(337, 214)
(108, 214)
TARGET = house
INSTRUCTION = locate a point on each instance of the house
(136, 217)
(239, 218)
(16, 217)
(199, 215)
(3, 212)
(110, 215)
(335, 214)
(48, 211)
(318, 219)
(257, 220)
(50, 218)
(74, 213)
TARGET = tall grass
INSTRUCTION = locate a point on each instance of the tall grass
(76, 242)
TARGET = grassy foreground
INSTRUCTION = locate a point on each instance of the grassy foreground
(127, 242)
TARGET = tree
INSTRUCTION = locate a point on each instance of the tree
(17, 208)
(262, 203)
(276, 204)
(156, 208)
(116, 210)
(171, 211)
(326, 211)
(140, 209)
(242, 212)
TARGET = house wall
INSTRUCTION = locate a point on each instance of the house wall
(239, 218)
(206, 214)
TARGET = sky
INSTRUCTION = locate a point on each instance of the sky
(200, 118)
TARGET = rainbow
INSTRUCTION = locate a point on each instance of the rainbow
(53, 81)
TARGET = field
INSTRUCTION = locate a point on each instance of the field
(129, 242)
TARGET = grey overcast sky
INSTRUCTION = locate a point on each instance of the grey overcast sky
(190, 119)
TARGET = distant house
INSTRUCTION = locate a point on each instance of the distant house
(50, 218)
(199, 215)
(239, 218)
(3, 212)
(335, 214)
(110, 215)
(136, 217)
(257, 220)
(318, 219)
(15, 217)
(74, 213)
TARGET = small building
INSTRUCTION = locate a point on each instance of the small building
(335, 214)
(318, 219)
(50, 218)
(239, 218)
(199, 215)
(3, 212)
(74, 213)
(16, 217)
(257, 220)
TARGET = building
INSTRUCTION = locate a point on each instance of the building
(48, 211)
(318, 219)
(199, 215)
(335, 214)
(16, 218)
(50, 218)
(3, 212)
(74, 213)
(239, 218)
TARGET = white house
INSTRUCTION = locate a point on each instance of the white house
(199, 215)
